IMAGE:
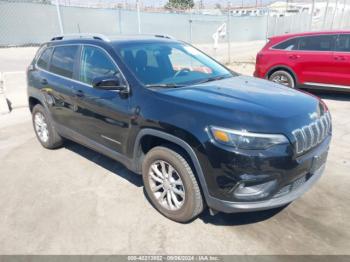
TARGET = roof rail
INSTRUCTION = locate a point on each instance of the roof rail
(84, 35)
(164, 36)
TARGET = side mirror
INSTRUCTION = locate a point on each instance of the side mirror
(110, 83)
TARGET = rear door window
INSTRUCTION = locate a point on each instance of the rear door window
(343, 43)
(44, 59)
(63, 60)
(317, 43)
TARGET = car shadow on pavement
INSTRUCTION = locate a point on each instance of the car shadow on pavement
(111, 165)
(237, 219)
(120, 170)
(337, 96)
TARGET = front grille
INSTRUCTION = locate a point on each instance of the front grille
(311, 135)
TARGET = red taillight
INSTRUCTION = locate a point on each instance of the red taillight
(258, 58)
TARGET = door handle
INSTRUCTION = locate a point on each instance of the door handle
(341, 58)
(294, 56)
(79, 93)
(43, 81)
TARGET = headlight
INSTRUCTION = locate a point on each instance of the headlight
(246, 140)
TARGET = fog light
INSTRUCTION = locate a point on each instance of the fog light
(255, 191)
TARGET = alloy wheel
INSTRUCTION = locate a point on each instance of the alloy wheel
(41, 127)
(166, 185)
(282, 80)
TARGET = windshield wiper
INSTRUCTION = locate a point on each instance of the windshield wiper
(170, 85)
(214, 78)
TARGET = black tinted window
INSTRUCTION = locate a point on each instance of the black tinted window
(343, 43)
(290, 44)
(96, 63)
(316, 43)
(62, 62)
(44, 59)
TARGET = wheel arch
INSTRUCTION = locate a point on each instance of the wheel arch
(170, 139)
(33, 101)
(284, 68)
(35, 98)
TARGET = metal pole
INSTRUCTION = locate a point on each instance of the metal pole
(312, 13)
(342, 15)
(138, 16)
(120, 20)
(59, 17)
(334, 13)
(325, 15)
(300, 22)
(275, 25)
(291, 24)
(228, 29)
(267, 24)
(348, 23)
(190, 21)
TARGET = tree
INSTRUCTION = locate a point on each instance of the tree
(179, 4)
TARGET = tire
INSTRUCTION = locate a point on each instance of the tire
(283, 77)
(191, 202)
(52, 140)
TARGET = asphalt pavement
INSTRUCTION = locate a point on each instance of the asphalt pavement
(75, 201)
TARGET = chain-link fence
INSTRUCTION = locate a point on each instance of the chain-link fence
(318, 15)
(33, 22)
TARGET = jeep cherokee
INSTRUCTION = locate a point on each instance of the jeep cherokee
(199, 134)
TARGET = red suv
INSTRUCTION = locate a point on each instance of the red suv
(310, 60)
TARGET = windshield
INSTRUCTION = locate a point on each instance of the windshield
(170, 64)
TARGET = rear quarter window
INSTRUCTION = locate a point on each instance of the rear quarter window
(291, 44)
(44, 58)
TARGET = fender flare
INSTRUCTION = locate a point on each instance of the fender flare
(181, 143)
(40, 97)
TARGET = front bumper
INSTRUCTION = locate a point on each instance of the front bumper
(233, 207)
(293, 176)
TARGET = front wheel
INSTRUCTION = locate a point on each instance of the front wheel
(171, 185)
(283, 77)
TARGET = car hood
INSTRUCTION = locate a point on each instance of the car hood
(250, 101)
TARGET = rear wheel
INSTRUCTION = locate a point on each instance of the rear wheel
(283, 77)
(44, 129)
(171, 185)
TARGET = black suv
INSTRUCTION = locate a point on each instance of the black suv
(198, 133)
